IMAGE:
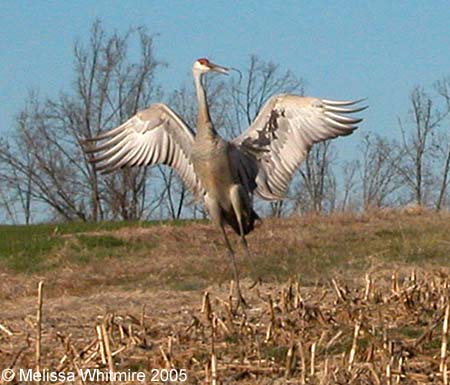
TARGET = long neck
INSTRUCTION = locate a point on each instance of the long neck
(204, 125)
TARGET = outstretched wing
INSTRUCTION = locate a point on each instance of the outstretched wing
(155, 135)
(283, 132)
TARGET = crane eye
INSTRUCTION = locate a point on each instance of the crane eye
(203, 61)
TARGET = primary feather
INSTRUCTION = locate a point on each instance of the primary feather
(284, 131)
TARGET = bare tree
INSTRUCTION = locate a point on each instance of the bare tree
(416, 168)
(47, 154)
(16, 192)
(378, 169)
(316, 189)
(8, 208)
(36, 167)
(110, 89)
(349, 185)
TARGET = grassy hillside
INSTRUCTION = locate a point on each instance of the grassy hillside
(191, 255)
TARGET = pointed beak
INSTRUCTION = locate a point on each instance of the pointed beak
(218, 68)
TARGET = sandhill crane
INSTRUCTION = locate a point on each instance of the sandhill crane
(226, 175)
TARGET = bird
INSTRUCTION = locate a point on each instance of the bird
(227, 175)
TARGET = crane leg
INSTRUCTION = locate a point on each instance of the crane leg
(241, 300)
(216, 216)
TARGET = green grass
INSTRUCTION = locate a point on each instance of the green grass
(409, 331)
(275, 352)
(23, 248)
(189, 284)
(87, 248)
(26, 248)
(37, 240)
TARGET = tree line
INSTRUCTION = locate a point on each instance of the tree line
(43, 168)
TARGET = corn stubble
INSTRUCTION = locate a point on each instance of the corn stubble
(388, 330)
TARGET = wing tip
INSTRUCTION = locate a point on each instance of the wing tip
(342, 103)
(344, 107)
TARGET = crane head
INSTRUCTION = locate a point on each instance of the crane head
(203, 65)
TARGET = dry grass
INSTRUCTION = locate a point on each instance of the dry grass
(316, 319)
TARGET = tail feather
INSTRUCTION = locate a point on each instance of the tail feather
(248, 221)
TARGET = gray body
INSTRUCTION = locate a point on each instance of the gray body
(211, 164)
(225, 197)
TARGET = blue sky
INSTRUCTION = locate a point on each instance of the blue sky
(343, 49)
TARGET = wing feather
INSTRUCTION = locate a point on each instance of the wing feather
(155, 135)
(282, 134)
